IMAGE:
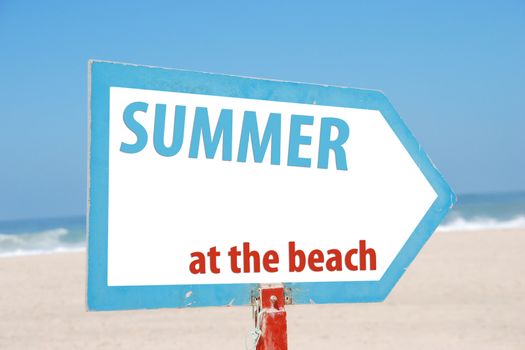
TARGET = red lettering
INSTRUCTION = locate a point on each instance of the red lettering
(315, 256)
(213, 254)
(316, 260)
(247, 254)
(348, 260)
(199, 264)
(233, 253)
(293, 254)
(334, 263)
(271, 257)
(363, 252)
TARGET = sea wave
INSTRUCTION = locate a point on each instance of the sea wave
(30, 243)
(482, 223)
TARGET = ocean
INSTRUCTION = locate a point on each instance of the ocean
(42, 236)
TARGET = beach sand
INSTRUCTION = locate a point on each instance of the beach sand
(465, 290)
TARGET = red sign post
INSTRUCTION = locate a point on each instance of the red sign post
(270, 318)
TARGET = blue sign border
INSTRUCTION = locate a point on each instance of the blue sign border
(104, 75)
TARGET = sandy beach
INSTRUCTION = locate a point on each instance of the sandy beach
(466, 290)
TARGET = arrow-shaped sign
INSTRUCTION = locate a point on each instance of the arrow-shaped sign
(204, 185)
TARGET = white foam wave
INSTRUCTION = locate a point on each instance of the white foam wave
(49, 241)
(21, 252)
(43, 236)
(482, 223)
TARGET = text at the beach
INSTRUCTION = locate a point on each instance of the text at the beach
(243, 259)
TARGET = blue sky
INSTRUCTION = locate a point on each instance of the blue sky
(454, 71)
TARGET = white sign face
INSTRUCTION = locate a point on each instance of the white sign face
(164, 208)
(202, 180)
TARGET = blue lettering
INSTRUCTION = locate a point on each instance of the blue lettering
(333, 135)
(326, 144)
(135, 127)
(201, 126)
(250, 130)
(296, 140)
(178, 130)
